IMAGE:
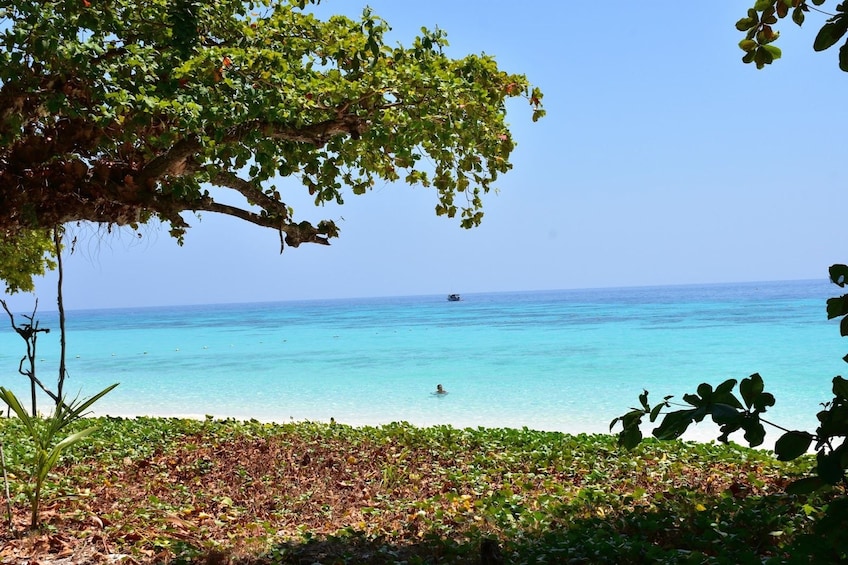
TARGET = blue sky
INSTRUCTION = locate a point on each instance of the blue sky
(662, 160)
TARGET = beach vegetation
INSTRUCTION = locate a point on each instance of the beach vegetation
(760, 33)
(224, 491)
(43, 444)
(125, 112)
(744, 413)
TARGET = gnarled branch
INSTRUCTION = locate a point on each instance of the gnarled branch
(170, 162)
(316, 134)
(303, 232)
(252, 193)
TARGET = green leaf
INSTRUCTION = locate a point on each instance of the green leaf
(792, 445)
(762, 57)
(674, 424)
(692, 399)
(727, 429)
(75, 438)
(840, 388)
(830, 467)
(775, 52)
(12, 401)
(838, 274)
(833, 421)
(724, 414)
(755, 433)
(762, 5)
(747, 45)
(629, 438)
(843, 327)
(643, 400)
(750, 388)
(56, 452)
(830, 33)
(632, 418)
(723, 394)
(745, 24)
(837, 306)
(725, 387)
(763, 401)
(25, 254)
(630, 435)
(700, 413)
(843, 57)
(79, 410)
(798, 16)
(806, 485)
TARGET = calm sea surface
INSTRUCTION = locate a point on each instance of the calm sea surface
(565, 360)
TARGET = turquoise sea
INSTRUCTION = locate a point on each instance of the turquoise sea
(555, 360)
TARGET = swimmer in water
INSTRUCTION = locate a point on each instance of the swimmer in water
(440, 390)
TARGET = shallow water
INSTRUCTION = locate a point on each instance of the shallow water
(565, 360)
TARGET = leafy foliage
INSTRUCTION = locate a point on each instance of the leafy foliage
(726, 410)
(45, 443)
(24, 254)
(760, 34)
(720, 404)
(165, 490)
(127, 110)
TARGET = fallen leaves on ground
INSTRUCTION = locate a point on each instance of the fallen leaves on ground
(151, 490)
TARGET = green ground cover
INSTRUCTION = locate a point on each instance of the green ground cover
(186, 491)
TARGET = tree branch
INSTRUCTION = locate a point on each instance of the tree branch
(173, 161)
(58, 233)
(304, 232)
(29, 332)
(170, 162)
(252, 193)
(316, 134)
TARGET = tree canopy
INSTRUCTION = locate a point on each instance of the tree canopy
(760, 33)
(22, 255)
(124, 111)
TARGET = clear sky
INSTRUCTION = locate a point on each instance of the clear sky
(663, 160)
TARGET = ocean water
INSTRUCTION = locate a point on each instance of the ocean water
(566, 360)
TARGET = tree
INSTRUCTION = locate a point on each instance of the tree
(25, 253)
(125, 111)
(760, 34)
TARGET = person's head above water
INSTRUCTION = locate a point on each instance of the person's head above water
(440, 390)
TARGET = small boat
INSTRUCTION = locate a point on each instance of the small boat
(454, 298)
